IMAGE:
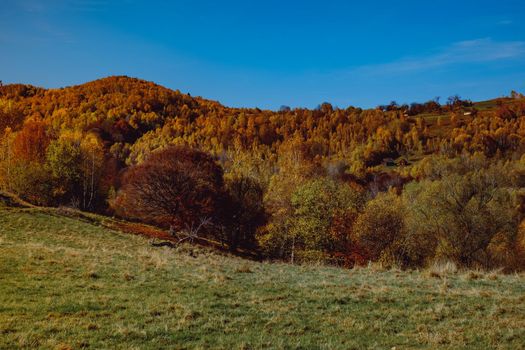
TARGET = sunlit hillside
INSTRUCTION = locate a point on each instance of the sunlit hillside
(407, 185)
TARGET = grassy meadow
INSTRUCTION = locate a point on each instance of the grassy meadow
(69, 284)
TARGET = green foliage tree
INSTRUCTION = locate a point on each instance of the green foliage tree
(64, 158)
(75, 162)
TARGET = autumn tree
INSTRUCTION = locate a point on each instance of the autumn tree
(245, 211)
(24, 166)
(293, 168)
(75, 162)
(175, 188)
(92, 168)
(6, 159)
(459, 215)
(318, 204)
(30, 143)
(379, 229)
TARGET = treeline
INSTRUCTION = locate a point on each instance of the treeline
(402, 184)
(466, 210)
(454, 103)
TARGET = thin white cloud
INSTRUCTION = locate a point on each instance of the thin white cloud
(471, 51)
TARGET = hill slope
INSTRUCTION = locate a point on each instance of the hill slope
(70, 284)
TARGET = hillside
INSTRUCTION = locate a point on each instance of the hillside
(132, 117)
(66, 283)
(137, 116)
(407, 185)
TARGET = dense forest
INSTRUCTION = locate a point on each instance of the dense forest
(405, 185)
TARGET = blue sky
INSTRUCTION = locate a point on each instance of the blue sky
(272, 53)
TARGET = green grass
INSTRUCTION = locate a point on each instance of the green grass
(70, 284)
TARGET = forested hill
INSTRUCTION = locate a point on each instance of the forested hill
(139, 116)
(343, 186)
(127, 118)
(130, 117)
(109, 103)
